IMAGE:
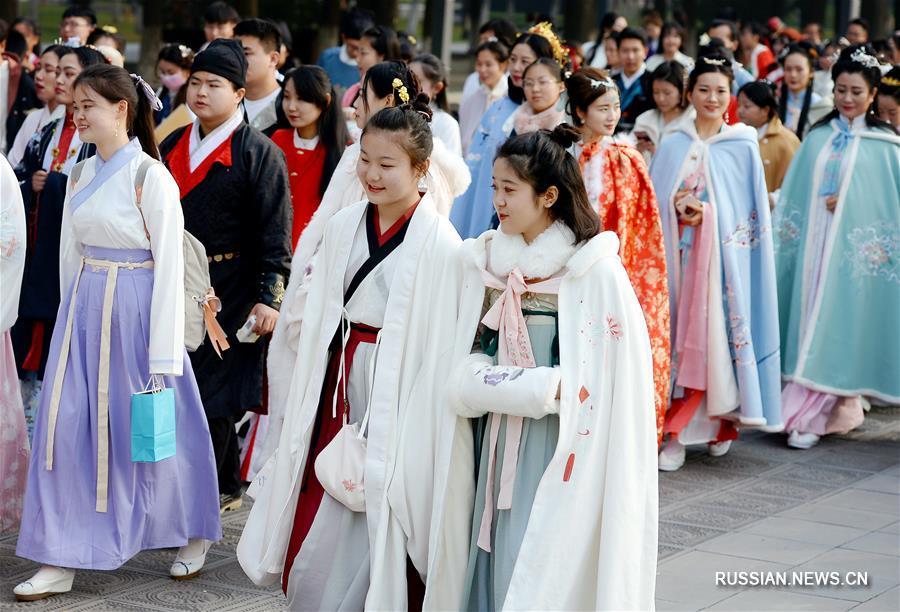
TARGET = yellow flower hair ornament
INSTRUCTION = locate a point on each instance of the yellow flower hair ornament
(401, 90)
(545, 29)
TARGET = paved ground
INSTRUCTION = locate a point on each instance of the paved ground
(761, 508)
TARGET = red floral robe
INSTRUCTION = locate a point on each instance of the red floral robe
(619, 187)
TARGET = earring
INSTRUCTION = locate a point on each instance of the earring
(117, 129)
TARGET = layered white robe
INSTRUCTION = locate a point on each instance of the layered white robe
(591, 540)
(447, 178)
(415, 505)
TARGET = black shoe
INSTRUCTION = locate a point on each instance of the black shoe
(229, 502)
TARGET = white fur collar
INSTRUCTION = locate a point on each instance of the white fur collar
(545, 256)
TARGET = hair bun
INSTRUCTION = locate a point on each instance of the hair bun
(420, 104)
(565, 135)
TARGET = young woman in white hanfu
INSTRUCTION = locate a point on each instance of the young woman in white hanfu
(447, 177)
(88, 505)
(566, 504)
(368, 352)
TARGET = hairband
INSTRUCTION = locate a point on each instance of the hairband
(402, 92)
(152, 98)
(713, 62)
(861, 57)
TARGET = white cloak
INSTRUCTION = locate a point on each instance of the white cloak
(415, 505)
(591, 540)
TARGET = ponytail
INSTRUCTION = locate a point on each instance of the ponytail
(142, 124)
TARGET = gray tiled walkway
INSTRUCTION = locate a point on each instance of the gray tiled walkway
(763, 507)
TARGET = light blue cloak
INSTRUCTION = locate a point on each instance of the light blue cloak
(472, 211)
(851, 343)
(737, 186)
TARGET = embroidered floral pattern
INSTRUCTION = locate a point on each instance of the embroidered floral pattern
(349, 485)
(627, 205)
(494, 375)
(786, 228)
(613, 328)
(875, 252)
(747, 233)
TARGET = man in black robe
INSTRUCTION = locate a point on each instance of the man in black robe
(236, 201)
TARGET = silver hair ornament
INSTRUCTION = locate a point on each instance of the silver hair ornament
(608, 83)
(152, 98)
(861, 57)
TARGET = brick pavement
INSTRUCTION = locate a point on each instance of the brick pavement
(763, 507)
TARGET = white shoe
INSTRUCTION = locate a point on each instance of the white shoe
(671, 458)
(48, 581)
(190, 559)
(718, 449)
(802, 440)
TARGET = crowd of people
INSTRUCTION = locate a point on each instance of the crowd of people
(448, 349)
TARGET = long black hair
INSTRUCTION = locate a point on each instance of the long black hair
(115, 84)
(542, 160)
(872, 76)
(809, 53)
(380, 78)
(541, 47)
(311, 83)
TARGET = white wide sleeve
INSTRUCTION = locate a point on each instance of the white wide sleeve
(12, 245)
(165, 223)
(478, 387)
(69, 247)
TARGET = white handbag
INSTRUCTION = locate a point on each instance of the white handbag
(340, 466)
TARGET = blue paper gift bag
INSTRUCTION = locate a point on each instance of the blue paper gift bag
(153, 425)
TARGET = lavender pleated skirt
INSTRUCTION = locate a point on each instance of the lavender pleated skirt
(151, 505)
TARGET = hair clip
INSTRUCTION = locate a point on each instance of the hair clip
(412, 39)
(607, 82)
(110, 29)
(402, 92)
(492, 39)
(890, 82)
(184, 50)
(704, 39)
(861, 57)
(713, 62)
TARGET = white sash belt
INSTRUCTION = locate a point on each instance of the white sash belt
(112, 271)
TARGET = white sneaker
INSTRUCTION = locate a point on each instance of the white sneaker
(190, 559)
(671, 458)
(719, 449)
(48, 581)
(802, 440)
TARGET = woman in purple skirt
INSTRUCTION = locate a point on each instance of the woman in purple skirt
(121, 322)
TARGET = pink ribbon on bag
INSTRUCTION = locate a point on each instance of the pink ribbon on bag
(513, 348)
